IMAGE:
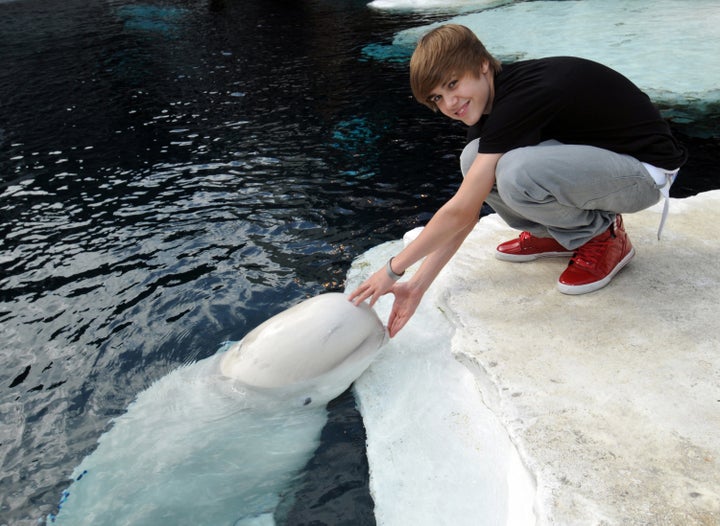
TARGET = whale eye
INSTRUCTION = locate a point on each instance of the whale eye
(308, 401)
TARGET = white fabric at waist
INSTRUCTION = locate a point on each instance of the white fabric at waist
(664, 179)
(660, 175)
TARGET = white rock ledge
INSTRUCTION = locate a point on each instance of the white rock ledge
(611, 399)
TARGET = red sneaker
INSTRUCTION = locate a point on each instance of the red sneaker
(528, 247)
(596, 262)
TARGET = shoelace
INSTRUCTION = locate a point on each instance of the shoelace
(589, 254)
(524, 236)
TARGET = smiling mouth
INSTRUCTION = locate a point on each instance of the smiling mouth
(463, 109)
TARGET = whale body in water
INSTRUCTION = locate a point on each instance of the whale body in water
(218, 441)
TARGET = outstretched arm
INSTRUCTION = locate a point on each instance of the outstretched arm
(409, 293)
(443, 234)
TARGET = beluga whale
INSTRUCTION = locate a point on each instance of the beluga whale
(218, 442)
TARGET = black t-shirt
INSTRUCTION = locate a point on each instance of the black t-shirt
(575, 101)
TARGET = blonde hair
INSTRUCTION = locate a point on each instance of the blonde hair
(445, 51)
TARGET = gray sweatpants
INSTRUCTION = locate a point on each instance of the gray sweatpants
(565, 191)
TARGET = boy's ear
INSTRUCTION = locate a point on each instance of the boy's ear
(485, 67)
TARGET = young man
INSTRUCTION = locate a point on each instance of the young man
(559, 147)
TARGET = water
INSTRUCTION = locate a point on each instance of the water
(173, 174)
(633, 38)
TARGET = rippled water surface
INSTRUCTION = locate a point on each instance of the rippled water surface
(174, 173)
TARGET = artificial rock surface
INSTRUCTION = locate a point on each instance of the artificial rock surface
(610, 400)
(613, 397)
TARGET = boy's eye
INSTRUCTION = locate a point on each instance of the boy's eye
(452, 84)
(435, 98)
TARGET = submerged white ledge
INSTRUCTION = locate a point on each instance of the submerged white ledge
(636, 38)
(506, 401)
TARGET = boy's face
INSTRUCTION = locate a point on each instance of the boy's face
(465, 97)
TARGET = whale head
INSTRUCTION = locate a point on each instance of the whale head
(312, 351)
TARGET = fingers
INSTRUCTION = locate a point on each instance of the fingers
(360, 294)
(400, 313)
(407, 299)
(397, 320)
(373, 287)
(396, 323)
(354, 296)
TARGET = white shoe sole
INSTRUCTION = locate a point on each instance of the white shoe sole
(502, 256)
(590, 287)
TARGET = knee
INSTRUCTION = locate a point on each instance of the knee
(512, 175)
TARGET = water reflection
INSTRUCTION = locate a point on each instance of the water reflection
(172, 176)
